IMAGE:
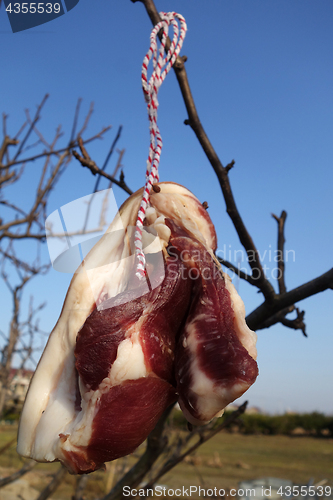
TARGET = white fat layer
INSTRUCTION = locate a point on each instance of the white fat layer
(247, 337)
(130, 362)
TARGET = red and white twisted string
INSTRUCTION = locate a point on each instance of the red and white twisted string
(162, 63)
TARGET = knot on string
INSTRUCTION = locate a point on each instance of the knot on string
(162, 63)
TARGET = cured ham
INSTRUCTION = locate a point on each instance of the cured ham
(124, 349)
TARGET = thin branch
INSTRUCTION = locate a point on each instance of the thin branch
(87, 119)
(107, 159)
(41, 139)
(156, 443)
(257, 317)
(13, 207)
(32, 124)
(76, 117)
(81, 484)
(6, 142)
(22, 264)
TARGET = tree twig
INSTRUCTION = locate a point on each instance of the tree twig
(204, 435)
(256, 318)
(281, 241)
(275, 306)
(156, 443)
(238, 272)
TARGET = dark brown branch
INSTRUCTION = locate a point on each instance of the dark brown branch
(273, 303)
(13, 477)
(76, 117)
(17, 236)
(86, 161)
(276, 318)
(107, 159)
(256, 319)
(30, 129)
(281, 241)
(238, 271)
(6, 142)
(56, 152)
(221, 172)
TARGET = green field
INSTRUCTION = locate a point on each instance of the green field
(221, 462)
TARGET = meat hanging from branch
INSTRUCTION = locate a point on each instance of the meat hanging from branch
(124, 349)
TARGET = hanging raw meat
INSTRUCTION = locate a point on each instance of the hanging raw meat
(124, 349)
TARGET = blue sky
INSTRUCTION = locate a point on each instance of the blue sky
(262, 76)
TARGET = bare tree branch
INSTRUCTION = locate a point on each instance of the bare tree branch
(30, 464)
(256, 318)
(56, 152)
(107, 159)
(30, 129)
(275, 306)
(221, 172)
(281, 240)
(238, 271)
(157, 445)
